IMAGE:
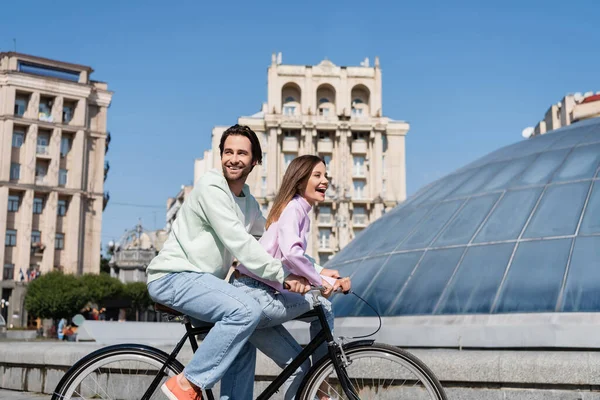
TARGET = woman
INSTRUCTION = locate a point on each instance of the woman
(304, 185)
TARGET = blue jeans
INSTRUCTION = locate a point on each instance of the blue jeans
(206, 298)
(272, 338)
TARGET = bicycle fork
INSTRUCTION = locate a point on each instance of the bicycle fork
(336, 352)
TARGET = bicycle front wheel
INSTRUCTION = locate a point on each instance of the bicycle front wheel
(375, 371)
(121, 372)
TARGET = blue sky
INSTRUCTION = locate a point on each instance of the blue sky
(467, 75)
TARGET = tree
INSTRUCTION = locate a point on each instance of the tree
(55, 295)
(137, 292)
(104, 267)
(101, 287)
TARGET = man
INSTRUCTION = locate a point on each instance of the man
(216, 224)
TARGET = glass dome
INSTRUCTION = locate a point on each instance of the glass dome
(516, 231)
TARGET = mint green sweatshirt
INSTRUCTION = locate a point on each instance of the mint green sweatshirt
(210, 230)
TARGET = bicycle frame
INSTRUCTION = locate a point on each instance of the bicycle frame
(324, 336)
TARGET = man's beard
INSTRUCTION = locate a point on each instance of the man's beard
(242, 177)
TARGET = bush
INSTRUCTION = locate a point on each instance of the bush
(137, 292)
(101, 287)
(55, 295)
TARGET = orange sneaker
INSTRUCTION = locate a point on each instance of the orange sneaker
(172, 389)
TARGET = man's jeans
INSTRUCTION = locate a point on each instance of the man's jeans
(206, 298)
(271, 337)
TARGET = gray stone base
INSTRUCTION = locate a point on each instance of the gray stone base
(467, 374)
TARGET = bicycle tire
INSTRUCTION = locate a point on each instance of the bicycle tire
(431, 387)
(121, 353)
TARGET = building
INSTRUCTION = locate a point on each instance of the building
(572, 108)
(134, 251)
(174, 204)
(335, 112)
(53, 139)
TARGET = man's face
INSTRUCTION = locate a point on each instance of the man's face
(237, 158)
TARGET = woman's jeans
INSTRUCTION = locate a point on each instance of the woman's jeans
(271, 337)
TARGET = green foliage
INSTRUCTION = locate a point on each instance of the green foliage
(55, 295)
(101, 287)
(137, 292)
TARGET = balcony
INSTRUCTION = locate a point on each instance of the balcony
(325, 146)
(324, 243)
(359, 172)
(360, 220)
(290, 145)
(325, 219)
(359, 147)
(42, 150)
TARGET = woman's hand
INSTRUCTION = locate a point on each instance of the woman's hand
(328, 289)
(342, 283)
(333, 273)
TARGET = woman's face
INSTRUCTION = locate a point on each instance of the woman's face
(317, 185)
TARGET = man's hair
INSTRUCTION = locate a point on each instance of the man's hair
(243, 130)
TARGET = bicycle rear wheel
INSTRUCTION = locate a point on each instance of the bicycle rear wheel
(376, 371)
(121, 372)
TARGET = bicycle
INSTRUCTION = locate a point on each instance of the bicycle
(391, 372)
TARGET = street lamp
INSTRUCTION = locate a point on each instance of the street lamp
(4, 303)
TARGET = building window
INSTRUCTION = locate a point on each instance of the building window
(68, 111)
(264, 209)
(383, 166)
(61, 208)
(45, 109)
(263, 186)
(42, 143)
(289, 110)
(36, 237)
(383, 188)
(65, 146)
(323, 258)
(15, 171)
(59, 243)
(325, 215)
(359, 166)
(326, 136)
(11, 238)
(287, 159)
(62, 177)
(359, 189)
(264, 163)
(18, 138)
(8, 273)
(324, 236)
(327, 159)
(13, 203)
(324, 111)
(41, 171)
(38, 205)
(21, 103)
(359, 216)
(359, 135)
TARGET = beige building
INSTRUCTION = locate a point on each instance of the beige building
(572, 108)
(335, 112)
(53, 139)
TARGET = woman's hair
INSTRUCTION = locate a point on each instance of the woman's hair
(294, 182)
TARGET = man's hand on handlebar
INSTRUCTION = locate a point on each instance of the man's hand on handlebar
(296, 284)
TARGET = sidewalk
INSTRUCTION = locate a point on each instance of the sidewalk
(14, 395)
